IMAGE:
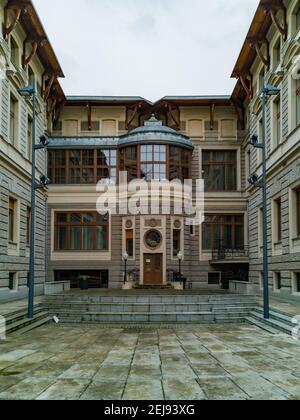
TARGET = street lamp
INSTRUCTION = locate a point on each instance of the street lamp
(180, 258)
(125, 259)
(268, 90)
(30, 91)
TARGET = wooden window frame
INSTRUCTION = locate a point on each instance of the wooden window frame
(297, 90)
(67, 167)
(233, 223)
(278, 215)
(11, 219)
(298, 210)
(82, 224)
(226, 163)
(28, 226)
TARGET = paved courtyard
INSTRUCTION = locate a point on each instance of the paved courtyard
(88, 362)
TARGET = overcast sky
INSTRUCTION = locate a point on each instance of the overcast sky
(149, 48)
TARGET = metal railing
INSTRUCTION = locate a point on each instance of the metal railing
(229, 254)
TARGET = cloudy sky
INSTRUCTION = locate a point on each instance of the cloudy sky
(149, 48)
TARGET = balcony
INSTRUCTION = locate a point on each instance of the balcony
(227, 256)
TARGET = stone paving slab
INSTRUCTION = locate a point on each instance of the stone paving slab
(228, 362)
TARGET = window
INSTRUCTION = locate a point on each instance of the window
(260, 229)
(298, 19)
(12, 220)
(28, 225)
(157, 162)
(13, 281)
(29, 137)
(228, 129)
(298, 211)
(82, 166)
(220, 170)
(277, 54)
(130, 243)
(14, 112)
(95, 126)
(277, 281)
(176, 242)
(295, 282)
(298, 102)
(260, 139)
(153, 162)
(14, 53)
(109, 128)
(278, 220)
(81, 231)
(31, 76)
(195, 128)
(214, 278)
(277, 122)
(261, 81)
(223, 232)
(180, 161)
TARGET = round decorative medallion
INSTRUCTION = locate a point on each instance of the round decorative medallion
(177, 224)
(128, 224)
(153, 223)
(153, 239)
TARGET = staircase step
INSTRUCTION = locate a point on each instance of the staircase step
(33, 326)
(261, 325)
(279, 325)
(11, 318)
(14, 326)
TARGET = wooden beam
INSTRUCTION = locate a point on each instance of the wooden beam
(247, 87)
(212, 116)
(8, 29)
(271, 8)
(50, 82)
(35, 43)
(89, 115)
(258, 43)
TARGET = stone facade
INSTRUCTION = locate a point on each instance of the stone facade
(283, 162)
(15, 161)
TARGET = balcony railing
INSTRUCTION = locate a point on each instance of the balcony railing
(225, 254)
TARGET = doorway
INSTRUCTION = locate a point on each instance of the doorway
(153, 269)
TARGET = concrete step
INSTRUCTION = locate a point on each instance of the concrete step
(151, 299)
(162, 317)
(151, 307)
(261, 324)
(137, 317)
(33, 326)
(25, 322)
(274, 323)
(18, 316)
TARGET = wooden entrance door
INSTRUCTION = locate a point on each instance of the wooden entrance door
(153, 269)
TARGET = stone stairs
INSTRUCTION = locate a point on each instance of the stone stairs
(278, 322)
(18, 323)
(153, 309)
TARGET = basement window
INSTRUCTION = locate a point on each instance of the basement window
(13, 282)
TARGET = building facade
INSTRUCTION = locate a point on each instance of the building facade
(270, 55)
(92, 139)
(25, 55)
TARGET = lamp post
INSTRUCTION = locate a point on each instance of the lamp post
(125, 259)
(180, 258)
(30, 91)
(254, 180)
